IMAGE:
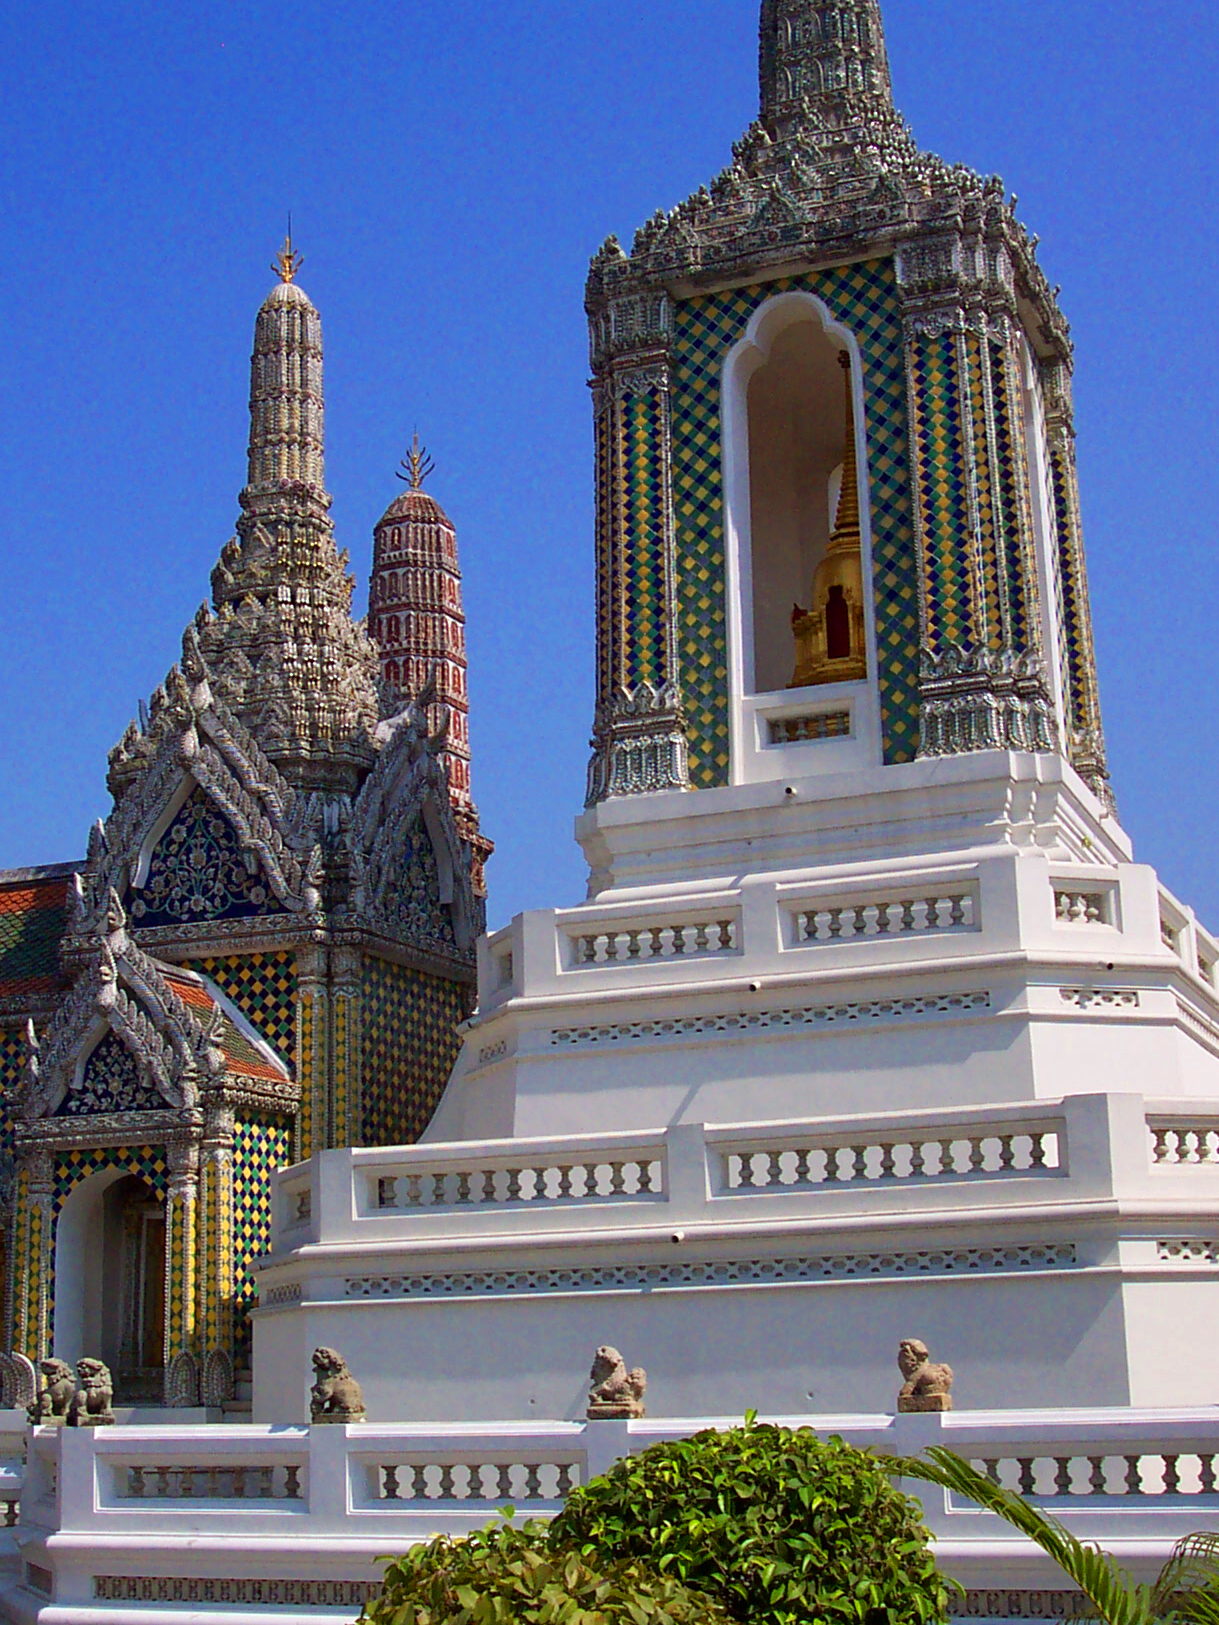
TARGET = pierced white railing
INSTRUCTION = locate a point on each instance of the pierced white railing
(938, 913)
(556, 1176)
(642, 944)
(915, 1154)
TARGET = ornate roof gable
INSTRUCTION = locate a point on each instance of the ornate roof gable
(136, 1035)
(410, 867)
(186, 739)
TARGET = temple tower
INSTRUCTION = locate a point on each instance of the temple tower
(721, 444)
(417, 621)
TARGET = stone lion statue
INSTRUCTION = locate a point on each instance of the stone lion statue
(336, 1396)
(90, 1407)
(616, 1392)
(928, 1387)
(56, 1392)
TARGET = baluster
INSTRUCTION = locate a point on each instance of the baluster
(807, 927)
(1159, 1139)
(1007, 1153)
(888, 1167)
(186, 1484)
(702, 942)
(617, 1179)
(958, 910)
(419, 1485)
(390, 1488)
(633, 947)
(239, 1483)
(213, 1483)
(1028, 1476)
(727, 935)
(446, 1492)
(592, 1181)
(162, 1483)
(859, 921)
(977, 1156)
(440, 1191)
(612, 939)
(566, 1480)
(657, 943)
(514, 1184)
(414, 1190)
(1038, 1149)
(587, 950)
(948, 1161)
(387, 1192)
(564, 1188)
(1097, 1480)
(1208, 1146)
(804, 1175)
(747, 1181)
(1062, 1477)
(1134, 1475)
(832, 1174)
(1172, 1475)
(11, 1510)
(648, 1172)
(835, 917)
(883, 921)
(135, 1482)
(266, 1489)
(774, 1168)
(860, 1164)
(907, 909)
(991, 1469)
(1206, 1473)
(504, 1482)
(933, 914)
(463, 1188)
(533, 1482)
(918, 1162)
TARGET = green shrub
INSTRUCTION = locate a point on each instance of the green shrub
(507, 1576)
(775, 1525)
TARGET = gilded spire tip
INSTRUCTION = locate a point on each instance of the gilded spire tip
(287, 262)
(416, 466)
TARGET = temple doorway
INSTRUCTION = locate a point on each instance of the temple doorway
(110, 1283)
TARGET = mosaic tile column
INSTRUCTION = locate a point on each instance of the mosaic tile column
(1086, 743)
(181, 1249)
(313, 1125)
(346, 1045)
(639, 732)
(215, 1276)
(33, 1241)
(983, 682)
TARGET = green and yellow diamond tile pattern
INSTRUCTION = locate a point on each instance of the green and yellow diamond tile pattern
(864, 298)
(409, 1022)
(941, 452)
(260, 1146)
(263, 987)
(1013, 480)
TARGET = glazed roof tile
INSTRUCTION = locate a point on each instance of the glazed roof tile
(243, 1053)
(33, 918)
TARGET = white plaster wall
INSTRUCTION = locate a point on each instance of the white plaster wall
(828, 1347)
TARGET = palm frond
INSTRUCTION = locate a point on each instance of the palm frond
(1188, 1586)
(1115, 1596)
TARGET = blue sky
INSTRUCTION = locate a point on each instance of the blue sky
(450, 169)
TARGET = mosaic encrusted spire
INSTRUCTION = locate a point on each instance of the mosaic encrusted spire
(418, 623)
(283, 650)
(816, 56)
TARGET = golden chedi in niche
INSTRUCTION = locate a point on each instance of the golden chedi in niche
(830, 646)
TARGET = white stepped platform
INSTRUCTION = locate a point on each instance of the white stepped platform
(177, 1526)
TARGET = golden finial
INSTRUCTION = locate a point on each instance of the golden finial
(287, 261)
(417, 465)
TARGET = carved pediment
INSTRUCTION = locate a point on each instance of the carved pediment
(204, 826)
(411, 869)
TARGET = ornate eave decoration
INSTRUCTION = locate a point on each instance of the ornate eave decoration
(177, 1051)
(187, 733)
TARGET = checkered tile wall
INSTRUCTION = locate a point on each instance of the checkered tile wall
(263, 987)
(410, 1023)
(864, 298)
(261, 1146)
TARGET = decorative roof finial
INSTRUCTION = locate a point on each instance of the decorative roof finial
(417, 465)
(287, 261)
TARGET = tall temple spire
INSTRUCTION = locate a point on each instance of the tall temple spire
(417, 621)
(282, 648)
(816, 57)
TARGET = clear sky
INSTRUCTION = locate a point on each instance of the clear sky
(450, 168)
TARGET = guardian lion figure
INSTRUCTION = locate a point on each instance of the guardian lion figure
(55, 1393)
(336, 1396)
(616, 1392)
(90, 1407)
(928, 1387)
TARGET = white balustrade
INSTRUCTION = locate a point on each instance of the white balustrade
(642, 944)
(597, 1175)
(987, 1151)
(938, 913)
(1180, 1142)
(1074, 907)
(462, 1482)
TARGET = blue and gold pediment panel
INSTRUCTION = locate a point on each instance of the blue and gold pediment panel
(111, 1080)
(198, 872)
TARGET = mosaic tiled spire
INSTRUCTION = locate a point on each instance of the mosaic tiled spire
(966, 364)
(814, 56)
(283, 650)
(418, 624)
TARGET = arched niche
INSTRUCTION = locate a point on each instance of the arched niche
(110, 1278)
(785, 426)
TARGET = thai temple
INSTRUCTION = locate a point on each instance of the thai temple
(869, 1033)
